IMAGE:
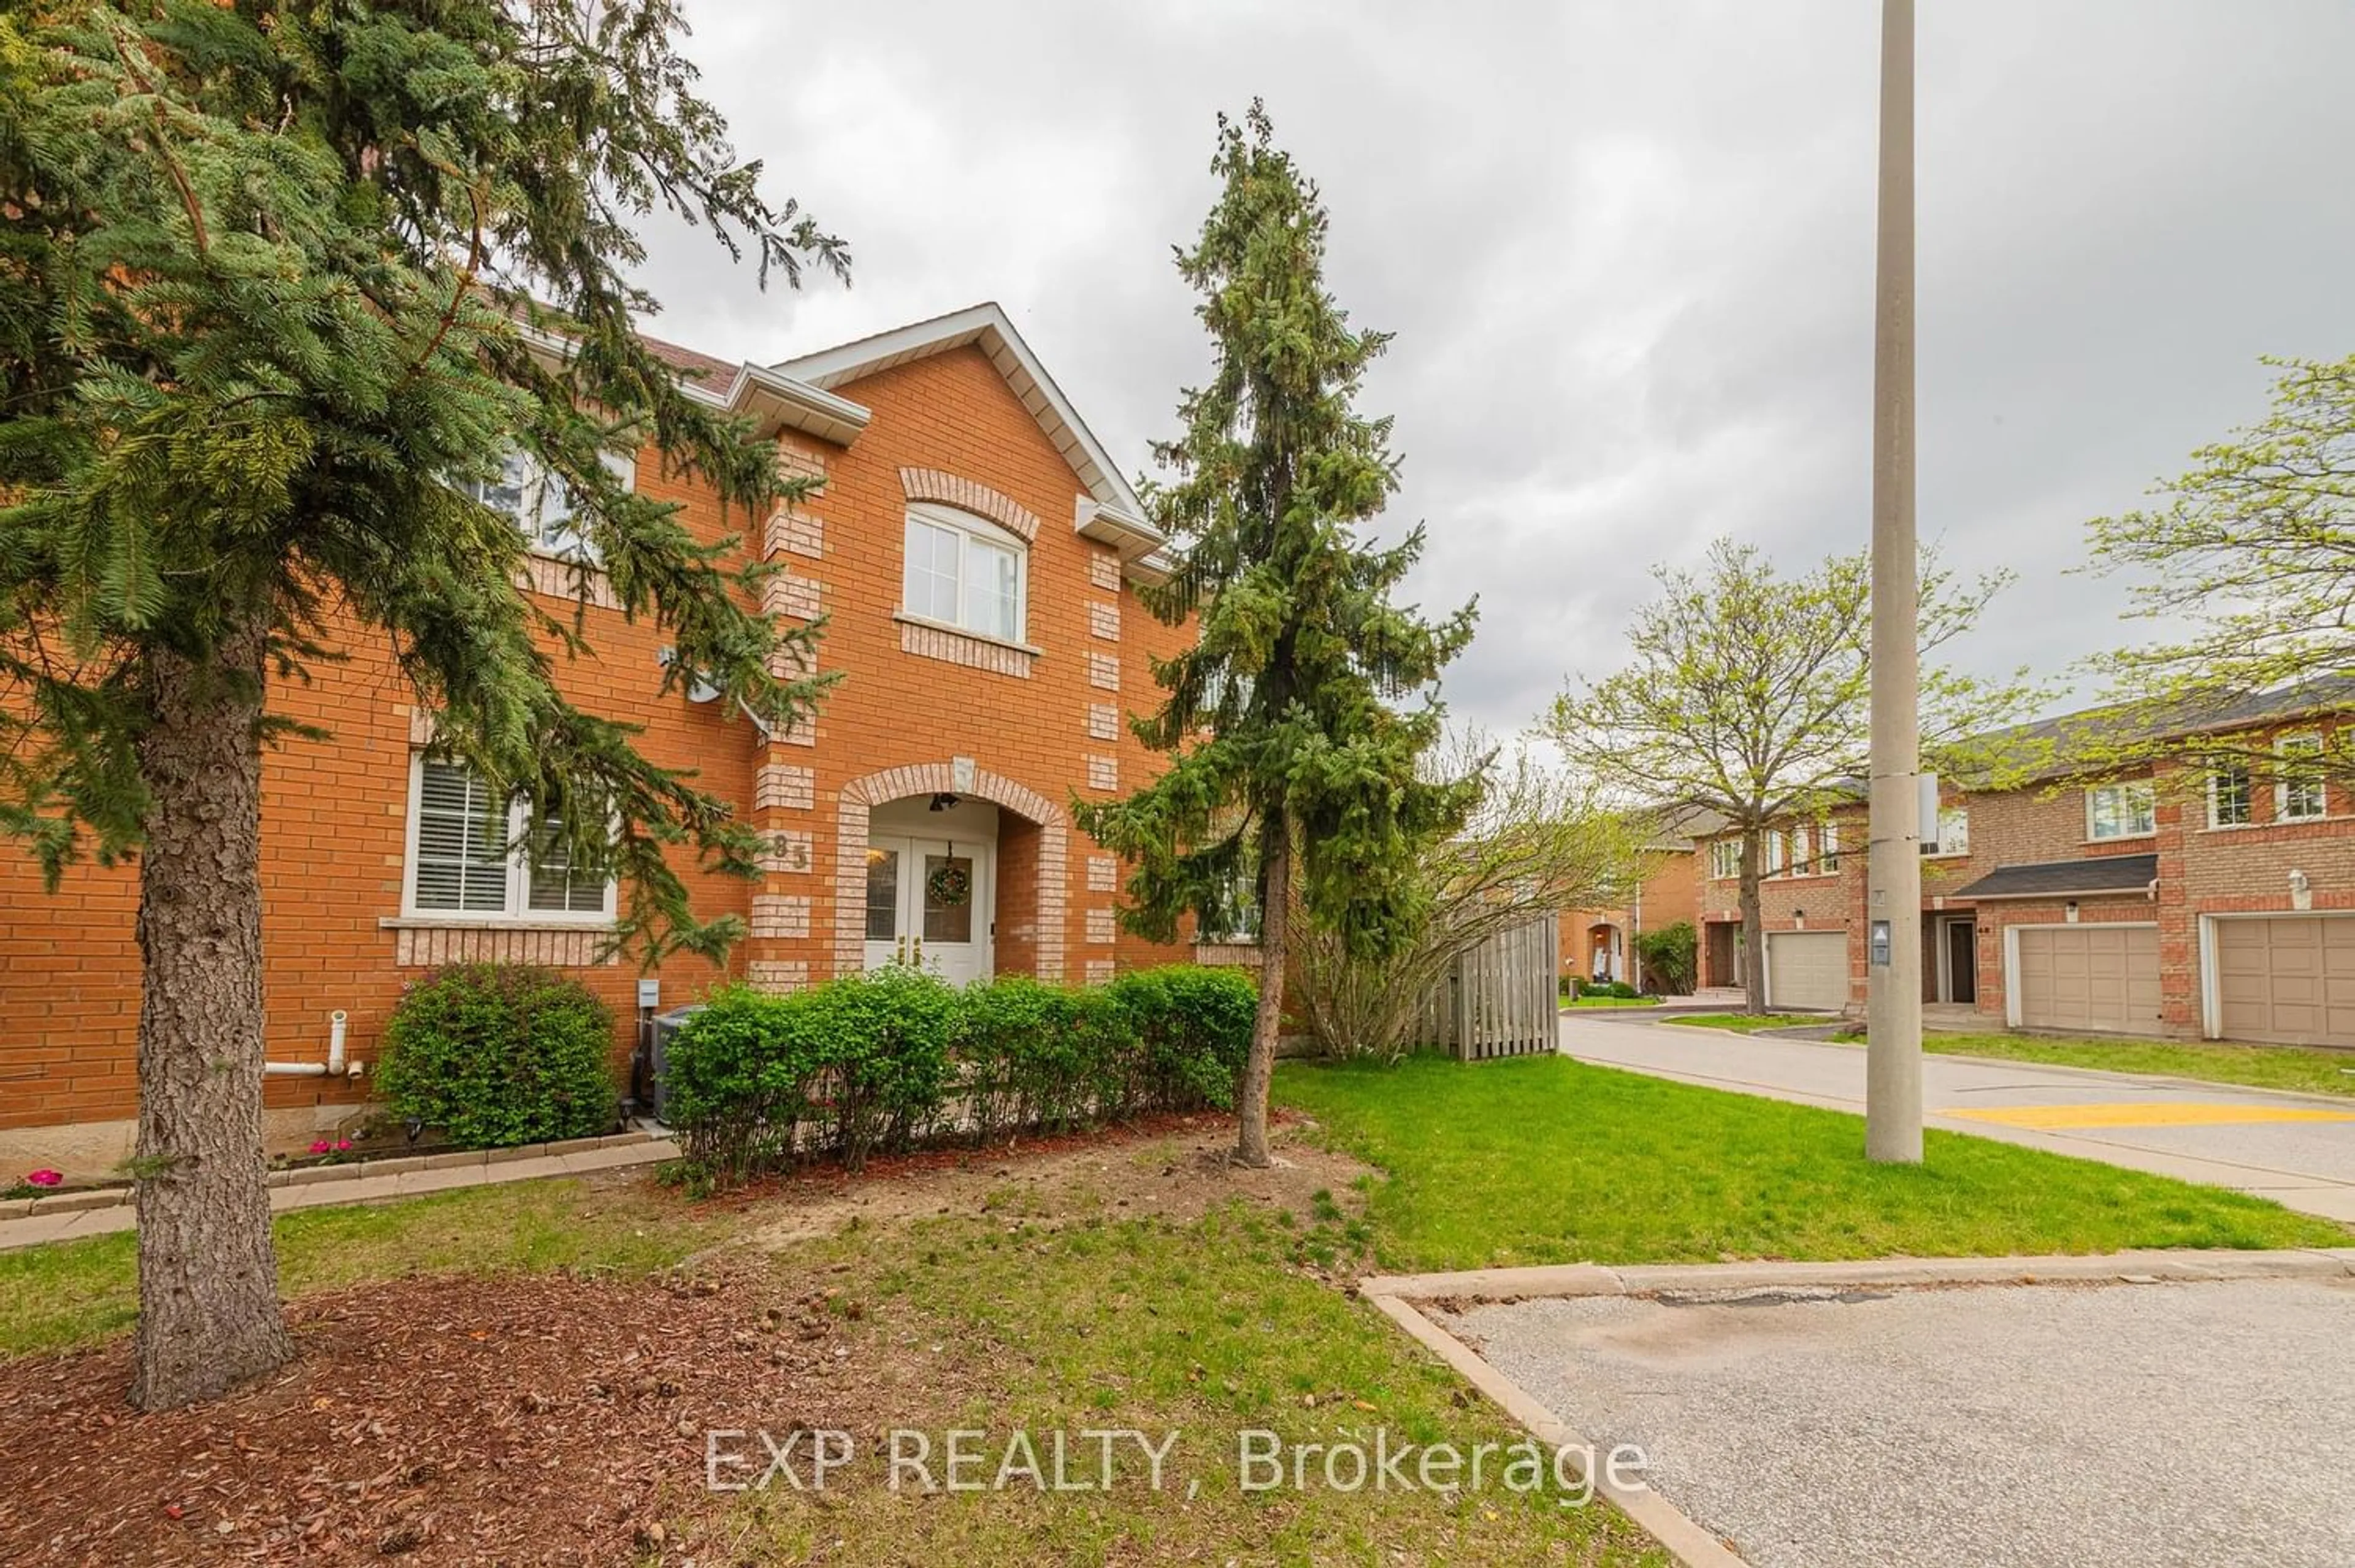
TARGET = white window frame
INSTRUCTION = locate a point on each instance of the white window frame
(1724, 859)
(2306, 743)
(2248, 793)
(517, 910)
(969, 530)
(1827, 848)
(1955, 846)
(545, 532)
(2127, 791)
(1774, 849)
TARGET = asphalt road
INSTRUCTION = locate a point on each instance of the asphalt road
(2015, 1426)
(2299, 1150)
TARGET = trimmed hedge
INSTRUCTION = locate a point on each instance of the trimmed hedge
(493, 1055)
(876, 1064)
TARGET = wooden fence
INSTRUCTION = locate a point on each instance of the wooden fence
(1499, 1000)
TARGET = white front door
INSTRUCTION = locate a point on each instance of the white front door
(928, 903)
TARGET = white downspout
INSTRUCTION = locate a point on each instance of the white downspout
(334, 1067)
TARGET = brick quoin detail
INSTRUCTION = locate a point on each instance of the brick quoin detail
(852, 812)
(1103, 671)
(786, 594)
(788, 851)
(780, 787)
(1099, 971)
(794, 532)
(1104, 621)
(781, 915)
(1104, 874)
(1104, 773)
(777, 974)
(1103, 721)
(1103, 570)
(1102, 926)
(970, 496)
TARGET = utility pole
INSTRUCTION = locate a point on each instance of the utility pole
(1893, 1083)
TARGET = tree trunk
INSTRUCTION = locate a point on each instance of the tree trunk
(1274, 924)
(1753, 928)
(208, 1309)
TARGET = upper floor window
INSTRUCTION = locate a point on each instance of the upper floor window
(539, 503)
(473, 854)
(1724, 858)
(1772, 843)
(2120, 810)
(2229, 799)
(967, 572)
(1953, 832)
(1827, 848)
(2298, 792)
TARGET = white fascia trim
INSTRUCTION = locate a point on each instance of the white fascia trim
(806, 407)
(987, 326)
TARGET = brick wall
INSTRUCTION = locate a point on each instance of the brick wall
(335, 813)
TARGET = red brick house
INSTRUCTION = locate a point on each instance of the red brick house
(1598, 944)
(2199, 898)
(975, 552)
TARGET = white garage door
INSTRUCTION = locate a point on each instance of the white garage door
(2099, 977)
(1806, 969)
(2290, 980)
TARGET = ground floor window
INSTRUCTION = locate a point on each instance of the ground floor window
(473, 854)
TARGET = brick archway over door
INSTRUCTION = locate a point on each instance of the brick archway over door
(1049, 901)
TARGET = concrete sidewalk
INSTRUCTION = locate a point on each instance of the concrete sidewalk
(53, 1221)
(2296, 1149)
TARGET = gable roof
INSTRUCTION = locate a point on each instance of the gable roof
(1111, 514)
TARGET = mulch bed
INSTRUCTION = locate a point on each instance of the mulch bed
(547, 1420)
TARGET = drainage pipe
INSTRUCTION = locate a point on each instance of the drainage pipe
(334, 1067)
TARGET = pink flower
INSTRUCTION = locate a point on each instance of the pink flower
(320, 1146)
(44, 1178)
(343, 1146)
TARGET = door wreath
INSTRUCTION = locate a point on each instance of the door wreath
(949, 886)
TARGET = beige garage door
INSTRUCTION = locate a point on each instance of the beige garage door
(2290, 980)
(1806, 969)
(2103, 978)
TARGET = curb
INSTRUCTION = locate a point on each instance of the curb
(1683, 1539)
(2113, 1268)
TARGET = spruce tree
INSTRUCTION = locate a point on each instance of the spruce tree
(1297, 765)
(278, 279)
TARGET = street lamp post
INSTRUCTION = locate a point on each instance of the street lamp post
(1892, 1095)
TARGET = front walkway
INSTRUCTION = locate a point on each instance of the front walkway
(355, 1184)
(2299, 1150)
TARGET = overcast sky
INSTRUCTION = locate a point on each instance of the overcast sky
(1627, 249)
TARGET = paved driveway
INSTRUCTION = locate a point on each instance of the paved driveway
(2030, 1426)
(2297, 1150)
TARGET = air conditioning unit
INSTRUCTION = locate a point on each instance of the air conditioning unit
(664, 1028)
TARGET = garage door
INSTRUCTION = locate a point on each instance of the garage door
(2290, 980)
(2101, 977)
(1806, 969)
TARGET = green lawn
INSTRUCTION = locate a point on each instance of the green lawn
(1613, 1002)
(1043, 1308)
(2252, 1066)
(75, 1292)
(1549, 1160)
(1750, 1023)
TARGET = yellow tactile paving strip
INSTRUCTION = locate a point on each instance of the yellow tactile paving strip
(2143, 1113)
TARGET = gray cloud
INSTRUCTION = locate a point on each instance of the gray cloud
(1627, 251)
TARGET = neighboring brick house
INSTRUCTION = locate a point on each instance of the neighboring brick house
(1598, 944)
(974, 551)
(2200, 899)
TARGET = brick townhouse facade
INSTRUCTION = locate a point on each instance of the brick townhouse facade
(1598, 944)
(2196, 899)
(975, 553)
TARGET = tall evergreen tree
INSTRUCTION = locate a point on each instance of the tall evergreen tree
(277, 278)
(1293, 765)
